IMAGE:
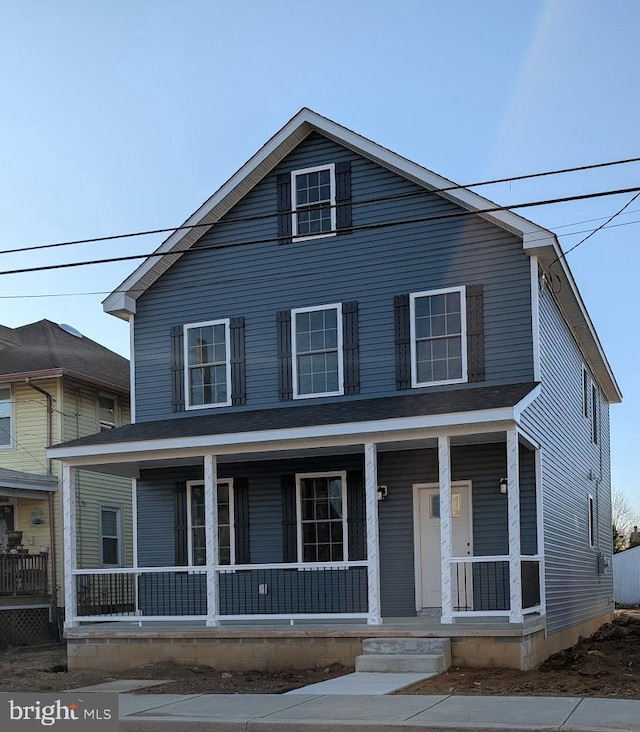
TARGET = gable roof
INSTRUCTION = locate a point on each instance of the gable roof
(45, 349)
(536, 240)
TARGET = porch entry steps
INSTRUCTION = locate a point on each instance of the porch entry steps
(405, 655)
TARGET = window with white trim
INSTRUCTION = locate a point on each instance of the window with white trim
(322, 517)
(594, 414)
(438, 337)
(208, 364)
(592, 521)
(196, 533)
(107, 412)
(313, 198)
(585, 392)
(6, 417)
(317, 351)
(111, 536)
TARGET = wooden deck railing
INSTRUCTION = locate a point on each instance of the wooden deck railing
(23, 574)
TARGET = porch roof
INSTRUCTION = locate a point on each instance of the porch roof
(408, 411)
(14, 481)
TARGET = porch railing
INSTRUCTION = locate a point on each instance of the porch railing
(24, 574)
(481, 585)
(250, 591)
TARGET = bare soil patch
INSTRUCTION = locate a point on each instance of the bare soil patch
(605, 665)
(45, 669)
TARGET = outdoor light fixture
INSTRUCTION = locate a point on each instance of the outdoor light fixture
(503, 485)
(382, 492)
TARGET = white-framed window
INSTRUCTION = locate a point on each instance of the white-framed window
(111, 550)
(585, 392)
(321, 500)
(438, 337)
(207, 357)
(196, 533)
(591, 511)
(107, 412)
(313, 199)
(594, 414)
(316, 338)
(6, 417)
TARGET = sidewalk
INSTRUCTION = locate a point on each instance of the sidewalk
(313, 713)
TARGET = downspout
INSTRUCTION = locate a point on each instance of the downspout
(52, 532)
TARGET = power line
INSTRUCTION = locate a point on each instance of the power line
(363, 227)
(379, 199)
(254, 279)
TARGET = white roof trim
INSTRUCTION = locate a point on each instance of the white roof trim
(536, 239)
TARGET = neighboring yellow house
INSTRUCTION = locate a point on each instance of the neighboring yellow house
(55, 385)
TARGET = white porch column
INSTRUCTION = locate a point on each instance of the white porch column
(513, 493)
(373, 537)
(134, 542)
(446, 527)
(211, 534)
(69, 542)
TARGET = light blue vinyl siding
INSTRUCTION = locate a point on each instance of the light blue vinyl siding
(575, 591)
(370, 266)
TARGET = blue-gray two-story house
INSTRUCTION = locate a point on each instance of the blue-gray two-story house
(367, 402)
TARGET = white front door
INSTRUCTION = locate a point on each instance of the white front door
(427, 526)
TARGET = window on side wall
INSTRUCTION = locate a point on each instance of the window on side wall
(592, 521)
(313, 198)
(317, 351)
(322, 517)
(197, 545)
(438, 337)
(208, 364)
(594, 414)
(107, 408)
(6, 417)
(585, 392)
(111, 536)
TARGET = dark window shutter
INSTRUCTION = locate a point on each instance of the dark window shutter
(475, 333)
(284, 207)
(177, 368)
(403, 341)
(238, 378)
(241, 519)
(351, 356)
(356, 516)
(285, 374)
(343, 197)
(180, 524)
(289, 519)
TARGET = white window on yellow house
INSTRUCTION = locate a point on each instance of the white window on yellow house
(6, 417)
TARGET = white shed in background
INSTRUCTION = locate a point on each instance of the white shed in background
(626, 577)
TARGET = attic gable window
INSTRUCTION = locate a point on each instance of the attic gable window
(6, 417)
(208, 364)
(313, 199)
(438, 337)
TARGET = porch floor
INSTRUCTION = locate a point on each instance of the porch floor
(421, 626)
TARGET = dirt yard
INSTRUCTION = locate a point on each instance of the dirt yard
(607, 664)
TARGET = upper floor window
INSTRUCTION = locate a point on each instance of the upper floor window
(6, 417)
(322, 517)
(208, 364)
(438, 337)
(594, 414)
(196, 543)
(591, 518)
(585, 392)
(313, 198)
(317, 351)
(107, 408)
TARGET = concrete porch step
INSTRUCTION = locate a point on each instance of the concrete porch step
(397, 663)
(407, 646)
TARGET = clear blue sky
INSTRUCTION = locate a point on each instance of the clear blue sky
(122, 115)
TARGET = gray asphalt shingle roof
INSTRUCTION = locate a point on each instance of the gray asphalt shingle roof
(306, 415)
(45, 347)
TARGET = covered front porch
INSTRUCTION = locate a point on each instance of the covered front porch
(439, 527)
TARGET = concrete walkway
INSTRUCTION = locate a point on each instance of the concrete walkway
(363, 682)
(312, 713)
